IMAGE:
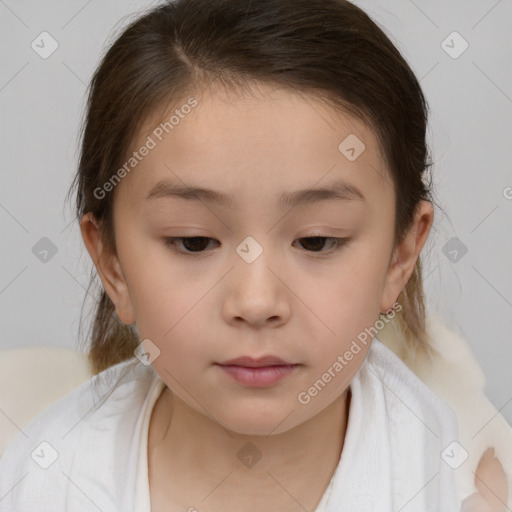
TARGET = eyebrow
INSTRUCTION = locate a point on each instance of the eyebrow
(338, 190)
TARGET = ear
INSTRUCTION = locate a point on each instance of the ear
(108, 267)
(405, 255)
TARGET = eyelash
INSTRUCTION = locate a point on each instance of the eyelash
(171, 242)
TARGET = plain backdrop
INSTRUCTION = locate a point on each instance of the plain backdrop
(468, 264)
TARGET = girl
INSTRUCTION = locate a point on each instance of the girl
(252, 191)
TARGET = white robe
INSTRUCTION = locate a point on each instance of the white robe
(91, 442)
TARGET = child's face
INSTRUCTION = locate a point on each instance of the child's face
(301, 300)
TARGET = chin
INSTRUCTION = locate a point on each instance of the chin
(256, 423)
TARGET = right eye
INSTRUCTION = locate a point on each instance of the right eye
(191, 244)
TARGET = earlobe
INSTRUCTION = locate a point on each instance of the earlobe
(406, 254)
(108, 268)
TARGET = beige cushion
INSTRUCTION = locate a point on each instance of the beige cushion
(33, 378)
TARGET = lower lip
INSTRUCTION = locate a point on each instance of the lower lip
(258, 377)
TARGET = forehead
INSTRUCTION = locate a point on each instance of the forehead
(255, 144)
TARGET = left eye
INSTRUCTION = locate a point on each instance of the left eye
(317, 242)
(197, 244)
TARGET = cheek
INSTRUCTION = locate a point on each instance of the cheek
(174, 311)
(349, 305)
(169, 313)
(351, 295)
(161, 291)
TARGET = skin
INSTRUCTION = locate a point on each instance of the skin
(491, 483)
(303, 306)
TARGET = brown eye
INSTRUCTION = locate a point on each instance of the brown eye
(317, 243)
(190, 244)
(314, 243)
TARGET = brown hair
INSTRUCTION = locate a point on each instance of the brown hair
(327, 47)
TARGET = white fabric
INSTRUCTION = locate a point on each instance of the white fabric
(396, 433)
(391, 458)
(142, 498)
(455, 375)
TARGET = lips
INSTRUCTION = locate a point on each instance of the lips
(251, 362)
(258, 373)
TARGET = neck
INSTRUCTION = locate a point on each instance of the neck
(199, 458)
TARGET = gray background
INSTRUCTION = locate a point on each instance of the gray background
(41, 102)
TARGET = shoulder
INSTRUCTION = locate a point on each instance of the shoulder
(81, 435)
(407, 387)
(454, 374)
(403, 427)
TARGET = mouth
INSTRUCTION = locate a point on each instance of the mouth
(260, 374)
(261, 362)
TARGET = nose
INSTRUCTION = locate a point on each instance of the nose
(256, 294)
